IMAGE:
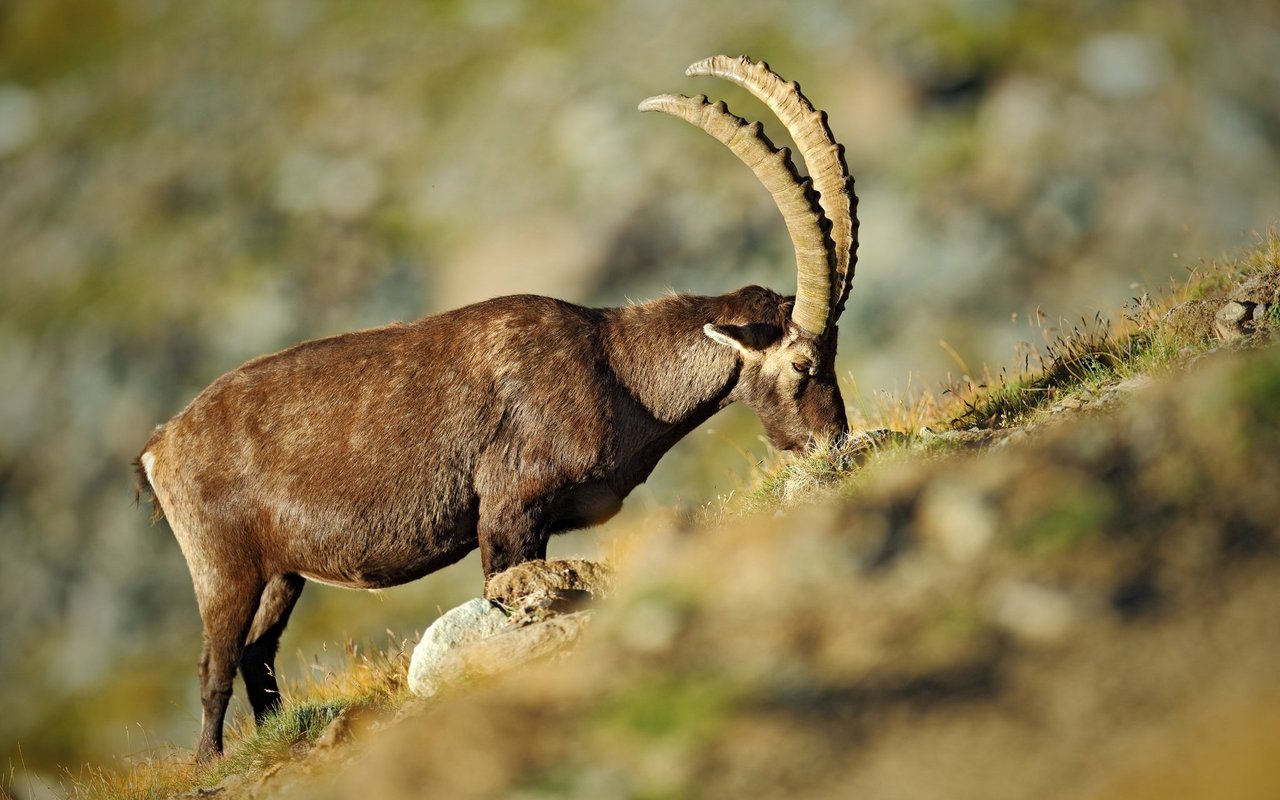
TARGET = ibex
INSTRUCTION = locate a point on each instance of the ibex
(373, 458)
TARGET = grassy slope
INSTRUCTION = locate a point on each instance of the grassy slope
(1047, 576)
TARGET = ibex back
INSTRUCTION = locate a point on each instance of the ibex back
(374, 458)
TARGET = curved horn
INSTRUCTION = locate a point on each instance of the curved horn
(793, 196)
(823, 156)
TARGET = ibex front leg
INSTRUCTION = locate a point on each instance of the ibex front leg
(257, 662)
(511, 531)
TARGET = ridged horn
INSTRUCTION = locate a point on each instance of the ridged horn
(792, 194)
(823, 156)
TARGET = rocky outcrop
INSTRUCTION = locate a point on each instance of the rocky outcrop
(1246, 311)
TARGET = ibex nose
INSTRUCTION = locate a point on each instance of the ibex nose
(839, 430)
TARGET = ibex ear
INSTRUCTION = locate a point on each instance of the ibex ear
(740, 337)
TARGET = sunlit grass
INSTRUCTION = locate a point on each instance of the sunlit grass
(347, 677)
(1078, 361)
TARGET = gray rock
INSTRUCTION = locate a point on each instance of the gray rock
(1231, 321)
(513, 648)
(468, 623)
(531, 611)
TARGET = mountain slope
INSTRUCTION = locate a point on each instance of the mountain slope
(1079, 596)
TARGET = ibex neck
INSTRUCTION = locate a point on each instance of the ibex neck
(659, 352)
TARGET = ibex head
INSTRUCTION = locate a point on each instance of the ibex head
(788, 357)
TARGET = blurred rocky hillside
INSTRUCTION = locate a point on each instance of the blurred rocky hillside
(186, 185)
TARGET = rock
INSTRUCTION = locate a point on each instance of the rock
(572, 579)
(1134, 383)
(872, 440)
(1234, 320)
(538, 590)
(1244, 314)
(958, 519)
(1072, 403)
(1033, 613)
(469, 622)
(1016, 435)
(1260, 290)
(515, 647)
(530, 611)
(1193, 319)
(971, 438)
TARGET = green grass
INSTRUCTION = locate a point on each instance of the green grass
(1072, 515)
(367, 678)
(674, 708)
(282, 736)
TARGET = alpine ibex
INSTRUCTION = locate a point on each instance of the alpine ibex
(373, 458)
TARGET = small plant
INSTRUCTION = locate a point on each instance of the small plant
(283, 735)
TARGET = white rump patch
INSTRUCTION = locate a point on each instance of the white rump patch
(148, 461)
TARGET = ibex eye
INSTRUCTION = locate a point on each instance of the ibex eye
(799, 366)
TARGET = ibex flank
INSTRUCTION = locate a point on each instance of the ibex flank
(373, 458)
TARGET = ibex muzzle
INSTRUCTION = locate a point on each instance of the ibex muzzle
(374, 458)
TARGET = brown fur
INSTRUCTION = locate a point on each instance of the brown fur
(374, 458)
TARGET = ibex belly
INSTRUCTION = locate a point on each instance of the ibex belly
(358, 557)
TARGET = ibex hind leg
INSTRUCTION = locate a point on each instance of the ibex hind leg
(257, 664)
(227, 610)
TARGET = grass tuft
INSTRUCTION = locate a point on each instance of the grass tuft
(358, 677)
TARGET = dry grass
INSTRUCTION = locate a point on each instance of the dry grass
(336, 679)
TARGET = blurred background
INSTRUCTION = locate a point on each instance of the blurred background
(186, 185)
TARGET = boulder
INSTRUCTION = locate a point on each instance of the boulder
(529, 612)
(515, 647)
(1234, 320)
(1194, 319)
(572, 580)
(469, 622)
(1262, 289)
